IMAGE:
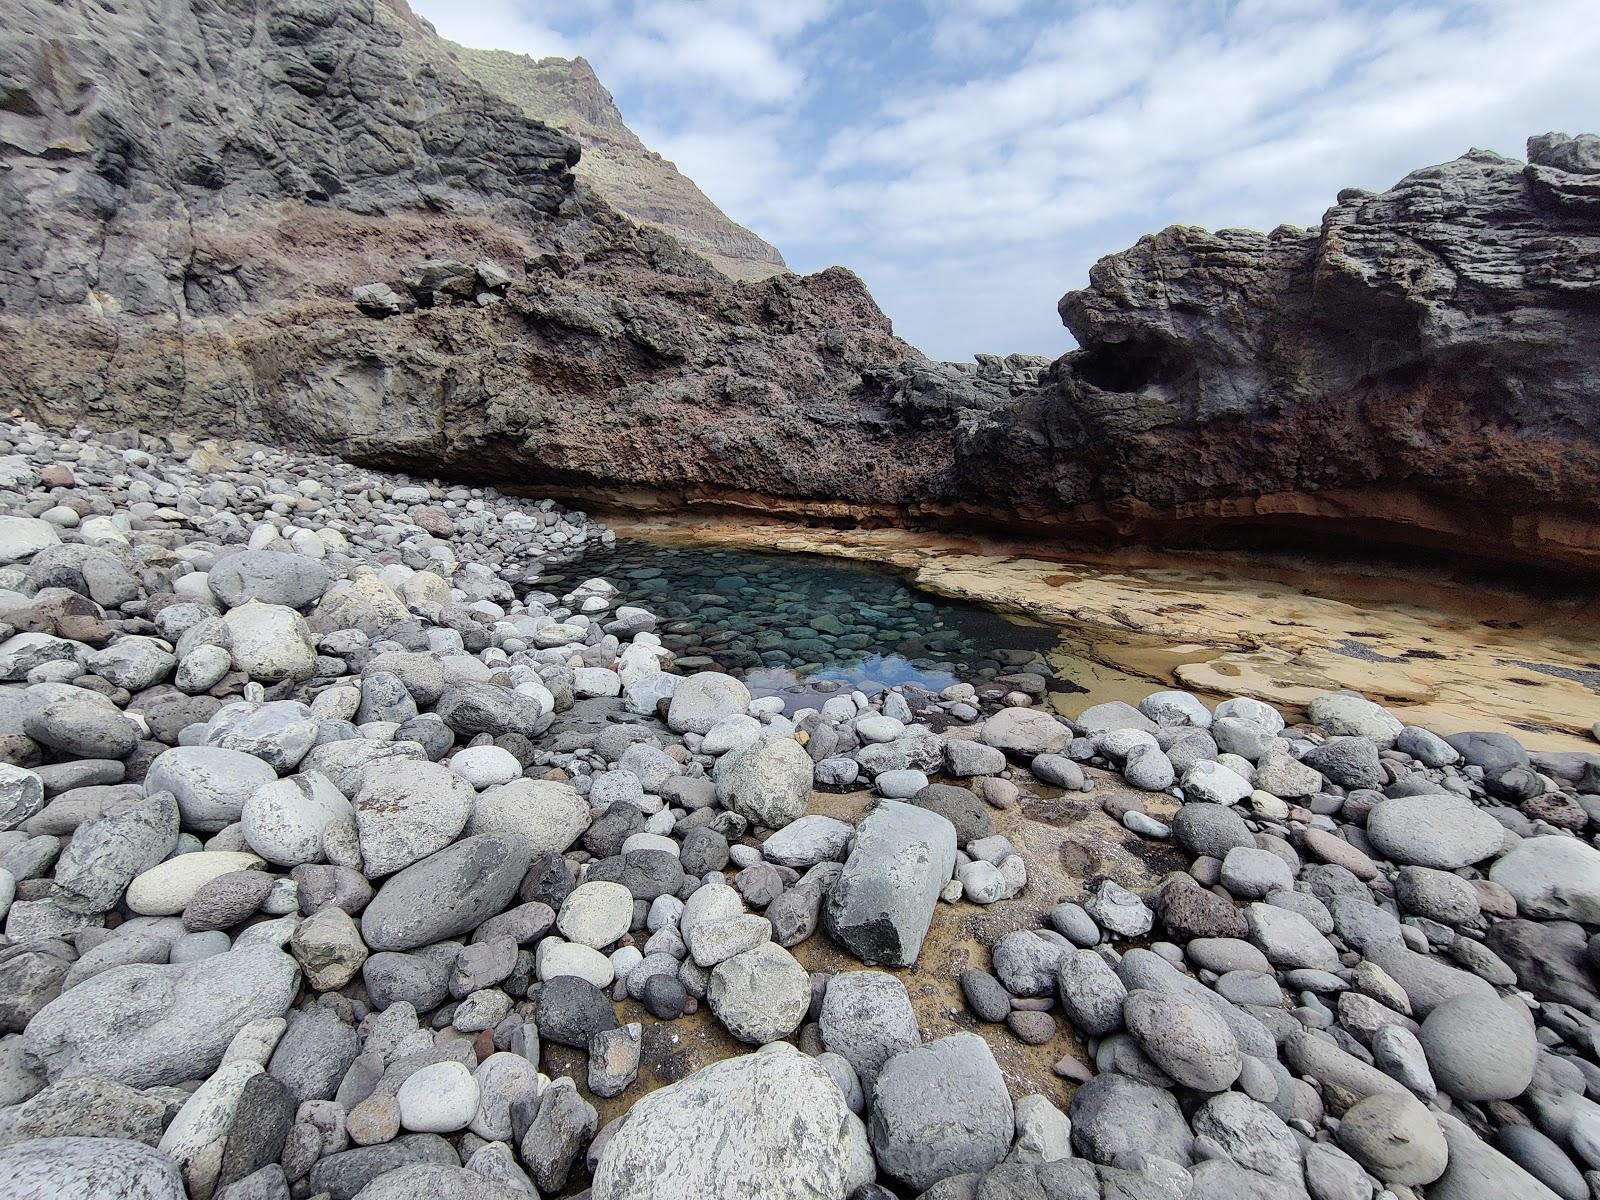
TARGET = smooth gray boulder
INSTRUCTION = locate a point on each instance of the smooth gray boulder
(447, 894)
(940, 1110)
(1186, 1038)
(1480, 1047)
(270, 576)
(1110, 715)
(549, 814)
(1444, 832)
(88, 1168)
(280, 732)
(1026, 732)
(145, 1024)
(703, 699)
(1114, 1116)
(1344, 714)
(1540, 1156)
(771, 1125)
(882, 904)
(1553, 877)
(808, 841)
(867, 1019)
(1395, 1138)
(1494, 752)
(472, 708)
(1427, 979)
(210, 783)
(1026, 963)
(1477, 1171)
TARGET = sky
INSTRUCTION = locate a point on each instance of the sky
(972, 159)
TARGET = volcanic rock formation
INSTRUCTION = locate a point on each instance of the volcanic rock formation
(1421, 368)
(181, 245)
(193, 194)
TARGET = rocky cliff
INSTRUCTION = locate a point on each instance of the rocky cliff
(1424, 367)
(192, 191)
(192, 196)
(632, 177)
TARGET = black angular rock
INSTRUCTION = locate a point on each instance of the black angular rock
(569, 1009)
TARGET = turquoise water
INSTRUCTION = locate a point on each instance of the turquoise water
(804, 623)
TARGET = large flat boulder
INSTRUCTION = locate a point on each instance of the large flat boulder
(146, 1024)
(766, 1126)
(1444, 832)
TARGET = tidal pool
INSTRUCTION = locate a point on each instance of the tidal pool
(1450, 650)
(805, 624)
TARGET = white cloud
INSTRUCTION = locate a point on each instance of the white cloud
(497, 25)
(672, 44)
(971, 158)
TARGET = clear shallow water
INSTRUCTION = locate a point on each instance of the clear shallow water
(806, 624)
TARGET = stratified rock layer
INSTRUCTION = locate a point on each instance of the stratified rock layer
(195, 193)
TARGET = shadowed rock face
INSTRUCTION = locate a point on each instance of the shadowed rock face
(193, 191)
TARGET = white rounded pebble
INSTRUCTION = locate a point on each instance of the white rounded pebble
(440, 1098)
(556, 957)
(596, 914)
(486, 766)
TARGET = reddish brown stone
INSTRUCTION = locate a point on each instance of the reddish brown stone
(1557, 809)
(483, 1044)
(435, 521)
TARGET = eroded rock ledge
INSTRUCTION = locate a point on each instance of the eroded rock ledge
(192, 195)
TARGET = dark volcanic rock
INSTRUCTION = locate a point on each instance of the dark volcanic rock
(180, 238)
